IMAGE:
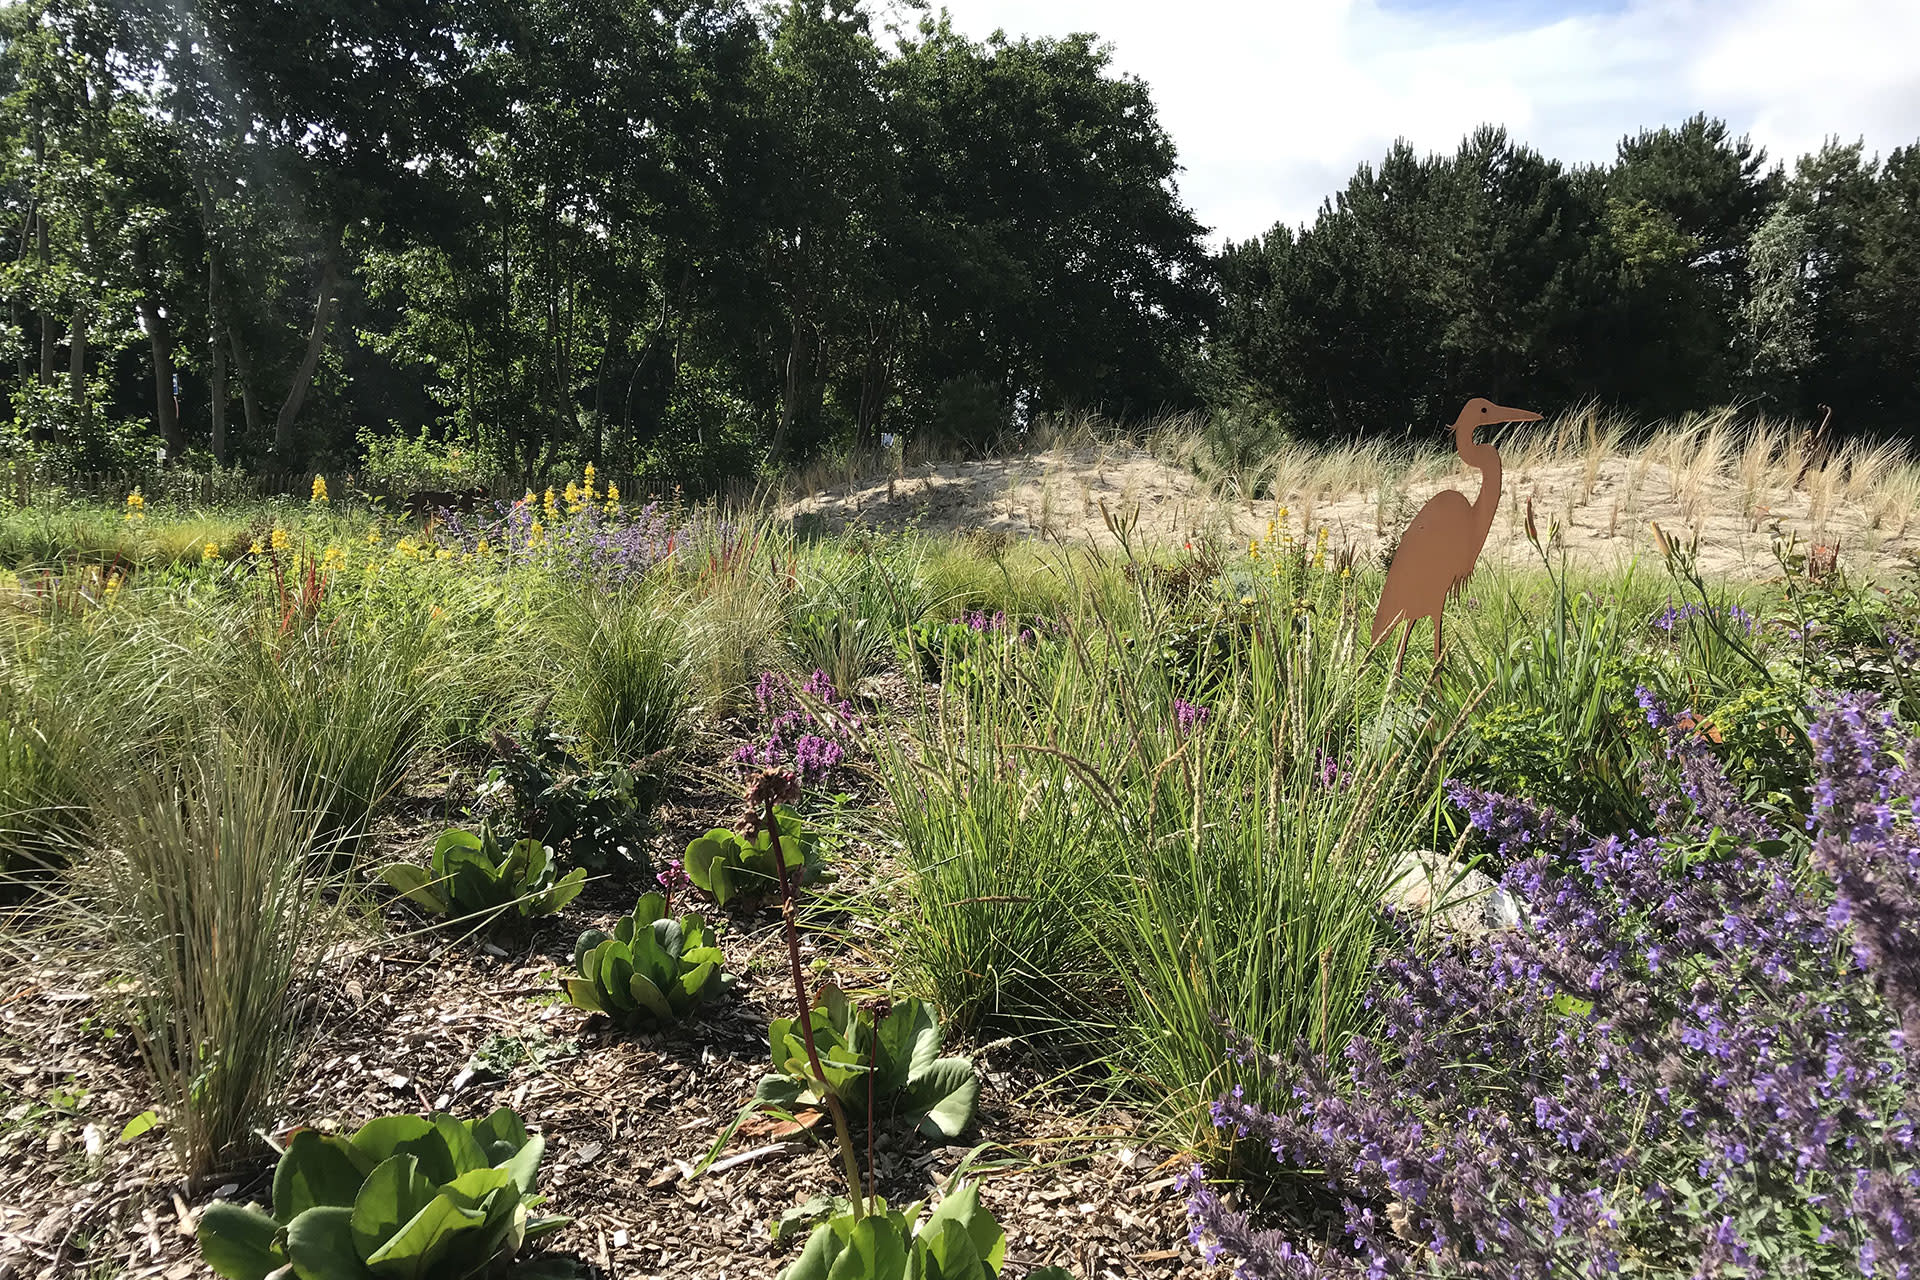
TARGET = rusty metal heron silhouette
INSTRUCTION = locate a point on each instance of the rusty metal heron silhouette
(1438, 550)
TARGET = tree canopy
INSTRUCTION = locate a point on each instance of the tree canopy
(696, 236)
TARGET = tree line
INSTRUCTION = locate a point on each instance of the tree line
(698, 236)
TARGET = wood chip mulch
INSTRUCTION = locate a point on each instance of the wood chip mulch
(414, 1019)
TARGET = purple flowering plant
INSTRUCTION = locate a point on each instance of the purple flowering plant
(1698, 1055)
(809, 727)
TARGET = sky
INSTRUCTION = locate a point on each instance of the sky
(1273, 103)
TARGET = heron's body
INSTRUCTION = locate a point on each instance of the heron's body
(1438, 550)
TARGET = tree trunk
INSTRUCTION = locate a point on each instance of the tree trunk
(164, 410)
(789, 391)
(46, 316)
(77, 367)
(309, 363)
(243, 366)
(216, 353)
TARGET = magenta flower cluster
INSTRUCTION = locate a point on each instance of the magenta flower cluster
(808, 728)
(1696, 1057)
(1189, 716)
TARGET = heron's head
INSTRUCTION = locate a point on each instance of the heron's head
(1481, 412)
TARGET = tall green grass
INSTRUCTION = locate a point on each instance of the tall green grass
(625, 686)
(1083, 863)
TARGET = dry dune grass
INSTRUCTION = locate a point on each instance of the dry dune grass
(1727, 478)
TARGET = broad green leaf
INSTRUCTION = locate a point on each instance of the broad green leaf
(963, 1207)
(703, 852)
(874, 1251)
(589, 939)
(582, 994)
(651, 906)
(649, 997)
(622, 929)
(943, 1098)
(412, 1252)
(320, 1246)
(524, 1164)
(447, 843)
(139, 1125)
(950, 1251)
(465, 1149)
(391, 1196)
(416, 885)
(564, 890)
(532, 860)
(500, 1133)
(375, 1140)
(317, 1170)
(651, 962)
(779, 1091)
(614, 973)
(694, 981)
(817, 1256)
(238, 1241)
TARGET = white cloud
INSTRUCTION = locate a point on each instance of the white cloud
(1273, 103)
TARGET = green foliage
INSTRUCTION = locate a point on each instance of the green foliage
(404, 1196)
(899, 1063)
(595, 817)
(472, 875)
(959, 1240)
(1554, 715)
(653, 969)
(727, 865)
(400, 464)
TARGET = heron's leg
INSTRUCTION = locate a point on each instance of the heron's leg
(1436, 637)
(1400, 653)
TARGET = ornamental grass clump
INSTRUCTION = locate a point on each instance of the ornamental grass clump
(1699, 1054)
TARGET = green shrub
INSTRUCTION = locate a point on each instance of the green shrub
(404, 1196)
(898, 1064)
(651, 969)
(472, 875)
(596, 817)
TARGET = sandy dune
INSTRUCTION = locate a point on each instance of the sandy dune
(1604, 517)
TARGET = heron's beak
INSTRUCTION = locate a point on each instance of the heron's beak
(1498, 414)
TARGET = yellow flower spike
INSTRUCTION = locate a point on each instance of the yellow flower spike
(443, 554)
(552, 505)
(527, 497)
(589, 492)
(281, 539)
(210, 552)
(257, 548)
(613, 494)
(319, 496)
(482, 549)
(373, 536)
(332, 558)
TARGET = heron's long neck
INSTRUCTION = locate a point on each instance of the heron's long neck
(1486, 459)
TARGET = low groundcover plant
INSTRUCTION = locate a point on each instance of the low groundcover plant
(1698, 1056)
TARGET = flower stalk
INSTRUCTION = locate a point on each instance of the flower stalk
(843, 1134)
